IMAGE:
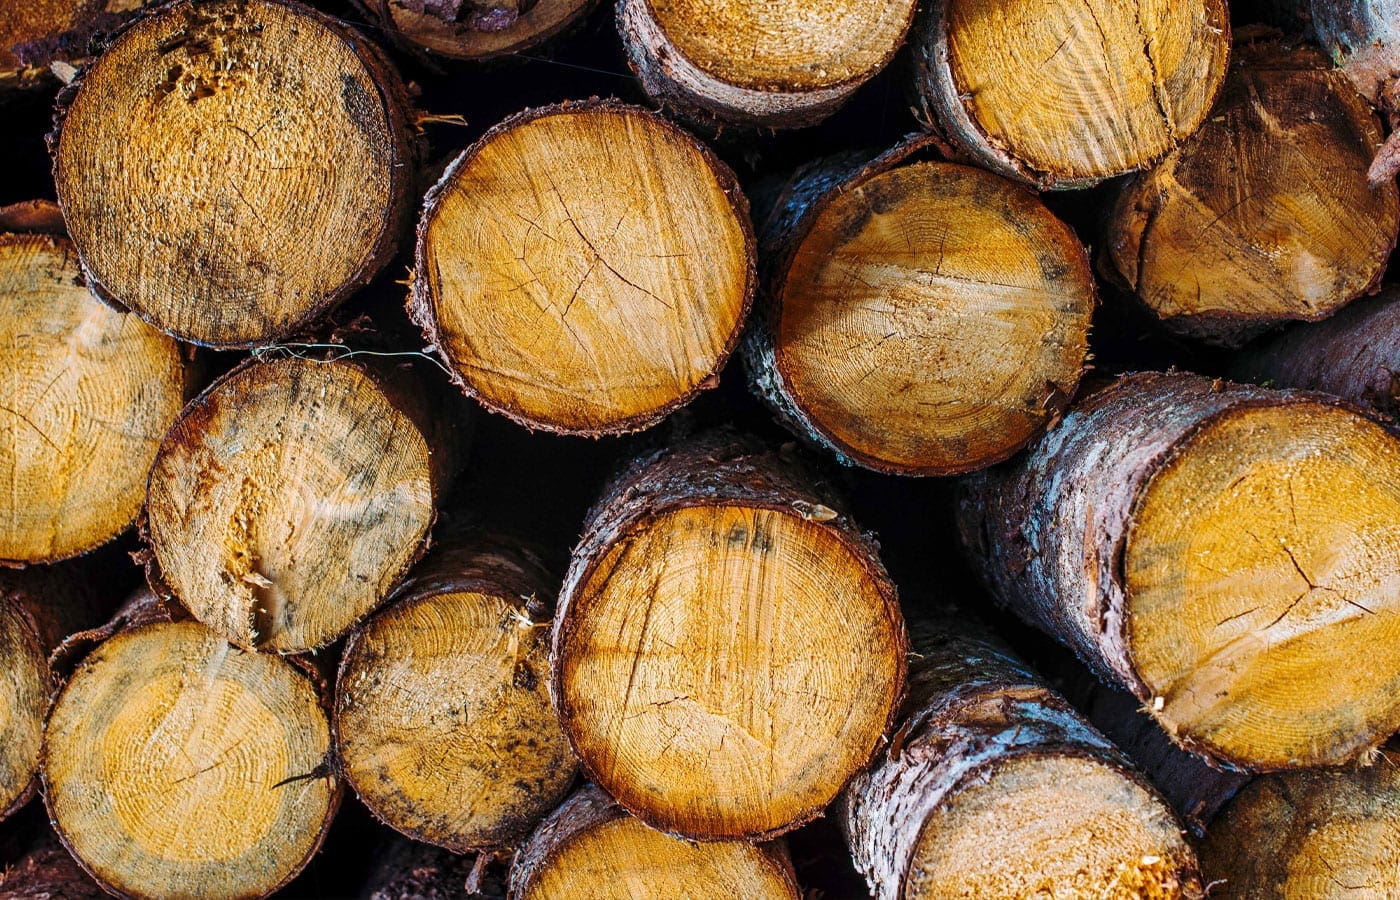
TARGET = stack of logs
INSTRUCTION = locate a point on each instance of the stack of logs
(328, 616)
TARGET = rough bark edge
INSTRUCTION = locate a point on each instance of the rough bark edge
(805, 196)
(676, 83)
(469, 560)
(446, 439)
(407, 153)
(1065, 511)
(589, 807)
(718, 467)
(144, 610)
(72, 47)
(422, 307)
(939, 107)
(409, 870)
(32, 217)
(378, 12)
(46, 871)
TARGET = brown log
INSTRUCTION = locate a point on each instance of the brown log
(557, 288)
(778, 64)
(591, 847)
(231, 170)
(90, 394)
(884, 280)
(475, 29)
(1068, 93)
(175, 763)
(291, 496)
(1266, 215)
(443, 720)
(1355, 354)
(994, 787)
(1220, 551)
(38, 34)
(46, 871)
(728, 649)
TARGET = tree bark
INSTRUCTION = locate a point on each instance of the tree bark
(766, 663)
(219, 184)
(47, 872)
(591, 846)
(1067, 94)
(37, 35)
(1266, 215)
(443, 719)
(476, 29)
(1218, 550)
(408, 870)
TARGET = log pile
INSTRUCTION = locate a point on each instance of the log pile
(813, 448)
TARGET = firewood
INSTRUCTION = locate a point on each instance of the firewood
(291, 496)
(1355, 354)
(1219, 550)
(1321, 833)
(1265, 216)
(409, 870)
(584, 268)
(37, 35)
(728, 649)
(994, 787)
(591, 847)
(1065, 94)
(46, 871)
(176, 764)
(879, 274)
(778, 64)
(39, 607)
(443, 718)
(475, 29)
(89, 393)
(230, 170)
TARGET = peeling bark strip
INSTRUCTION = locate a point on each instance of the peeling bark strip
(728, 650)
(877, 302)
(36, 34)
(292, 495)
(1067, 93)
(776, 64)
(230, 170)
(173, 759)
(994, 787)
(1320, 833)
(1355, 355)
(89, 392)
(39, 607)
(442, 713)
(1219, 550)
(1265, 216)
(559, 289)
(591, 847)
(476, 29)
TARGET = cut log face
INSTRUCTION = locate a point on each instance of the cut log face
(1323, 833)
(1219, 550)
(477, 29)
(725, 659)
(90, 393)
(230, 170)
(1065, 94)
(558, 289)
(930, 320)
(1266, 215)
(173, 760)
(591, 847)
(288, 500)
(443, 716)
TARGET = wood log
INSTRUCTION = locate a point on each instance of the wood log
(879, 273)
(90, 393)
(1218, 550)
(994, 787)
(175, 763)
(36, 35)
(1355, 354)
(39, 607)
(557, 288)
(292, 495)
(1322, 833)
(780, 64)
(443, 719)
(46, 871)
(231, 170)
(1265, 216)
(1065, 94)
(728, 650)
(409, 870)
(591, 847)
(475, 29)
